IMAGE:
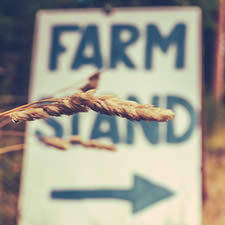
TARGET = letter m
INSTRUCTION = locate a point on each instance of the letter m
(176, 37)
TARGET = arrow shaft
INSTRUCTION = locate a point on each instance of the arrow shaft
(141, 195)
(84, 194)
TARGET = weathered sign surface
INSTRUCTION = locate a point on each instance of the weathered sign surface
(149, 55)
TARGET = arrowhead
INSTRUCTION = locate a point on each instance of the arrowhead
(145, 193)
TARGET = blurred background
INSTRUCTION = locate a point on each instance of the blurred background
(17, 20)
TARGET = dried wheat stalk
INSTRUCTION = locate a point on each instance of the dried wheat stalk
(91, 143)
(61, 144)
(56, 142)
(112, 105)
(64, 145)
(82, 101)
(92, 83)
(11, 148)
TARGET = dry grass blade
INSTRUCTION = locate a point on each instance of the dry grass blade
(92, 82)
(55, 142)
(82, 101)
(61, 144)
(12, 148)
(92, 144)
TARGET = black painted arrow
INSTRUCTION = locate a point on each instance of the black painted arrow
(141, 195)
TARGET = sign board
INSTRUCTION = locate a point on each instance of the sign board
(149, 55)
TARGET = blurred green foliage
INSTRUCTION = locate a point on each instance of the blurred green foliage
(17, 20)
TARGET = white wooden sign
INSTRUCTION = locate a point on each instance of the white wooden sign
(149, 55)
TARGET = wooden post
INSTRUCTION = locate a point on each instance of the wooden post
(218, 82)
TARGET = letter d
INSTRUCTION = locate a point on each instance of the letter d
(172, 102)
